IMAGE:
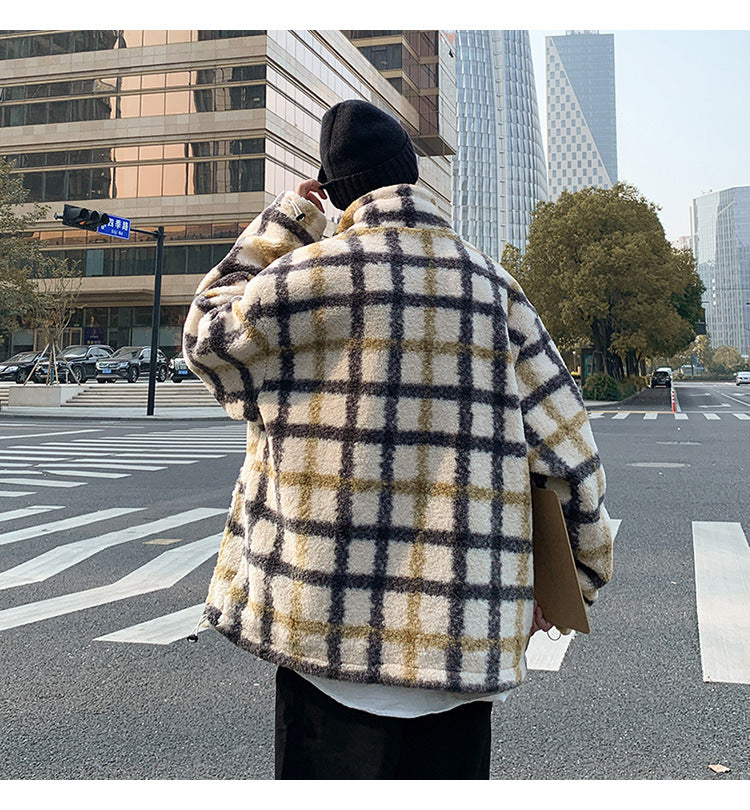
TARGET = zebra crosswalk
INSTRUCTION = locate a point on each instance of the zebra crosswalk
(55, 462)
(679, 416)
(721, 556)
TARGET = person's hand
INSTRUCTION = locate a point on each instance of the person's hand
(309, 188)
(539, 622)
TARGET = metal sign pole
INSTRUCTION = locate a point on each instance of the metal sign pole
(155, 319)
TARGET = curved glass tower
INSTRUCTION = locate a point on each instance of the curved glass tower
(499, 171)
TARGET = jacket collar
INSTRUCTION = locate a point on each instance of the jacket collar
(401, 205)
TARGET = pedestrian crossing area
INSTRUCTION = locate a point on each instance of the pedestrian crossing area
(64, 462)
(173, 545)
(679, 416)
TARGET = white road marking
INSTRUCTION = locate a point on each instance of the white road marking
(621, 415)
(17, 514)
(55, 433)
(160, 573)
(61, 525)
(681, 416)
(595, 414)
(734, 399)
(650, 415)
(63, 557)
(742, 415)
(86, 473)
(543, 652)
(104, 465)
(162, 630)
(722, 592)
(38, 483)
(712, 416)
(21, 472)
(7, 494)
(667, 464)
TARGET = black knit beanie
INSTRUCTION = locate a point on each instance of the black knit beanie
(361, 149)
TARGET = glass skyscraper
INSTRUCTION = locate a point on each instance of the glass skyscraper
(581, 115)
(720, 234)
(498, 170)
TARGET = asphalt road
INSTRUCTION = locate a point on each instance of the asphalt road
(627, 702)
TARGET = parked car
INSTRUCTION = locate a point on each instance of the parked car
(662, 376)
(131, 362)
(179, 370)
(79, 364)
(742, 378)
(18, 367)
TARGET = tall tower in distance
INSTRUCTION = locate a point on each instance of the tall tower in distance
(581, 114)
(498, 170)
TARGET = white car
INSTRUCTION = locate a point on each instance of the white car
(742, 378)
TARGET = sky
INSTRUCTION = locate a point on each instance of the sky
(683, 113)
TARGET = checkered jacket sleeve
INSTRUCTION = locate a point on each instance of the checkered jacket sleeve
(224, 341)
(562, 453)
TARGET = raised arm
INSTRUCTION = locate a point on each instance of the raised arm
(224, 341)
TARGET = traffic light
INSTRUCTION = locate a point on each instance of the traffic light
(83, 218)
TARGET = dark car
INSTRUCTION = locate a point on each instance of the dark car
(662, 376)
(19, 366)
(179, 370)
(79, 364)
(131, 362)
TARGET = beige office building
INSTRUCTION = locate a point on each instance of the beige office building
(195, 131)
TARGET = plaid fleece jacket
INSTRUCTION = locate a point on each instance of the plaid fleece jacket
(399, 392)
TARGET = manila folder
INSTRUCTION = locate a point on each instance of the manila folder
(556, 587)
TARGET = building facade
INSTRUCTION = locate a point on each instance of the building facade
(720, 235)
(499, 172)
(195, 131)
(581, 111)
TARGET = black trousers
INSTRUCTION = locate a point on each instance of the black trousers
(319, 738)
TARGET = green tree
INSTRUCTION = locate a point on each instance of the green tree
(19, 255)
(600, 271)
(726, 359)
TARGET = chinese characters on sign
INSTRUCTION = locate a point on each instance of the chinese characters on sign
(117, 226)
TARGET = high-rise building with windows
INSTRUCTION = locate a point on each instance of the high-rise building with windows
(499, 170)
(196, 131)
(720, 234)
(581, 113)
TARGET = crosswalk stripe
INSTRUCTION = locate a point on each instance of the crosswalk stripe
(17, 514)
(63, 557)
(4, 493)
(722, 592)
(162, 630)
(20, 472)
(650, 415)
(44, 529)
(38, 483)
(681, 416)
(105, 465)
(85, 473)
(621, 415)
(595, 415)
(742, 415)
(160, 573)
(712, 416)
(117, 451)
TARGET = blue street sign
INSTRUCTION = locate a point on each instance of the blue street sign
(117, 226)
